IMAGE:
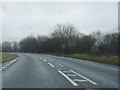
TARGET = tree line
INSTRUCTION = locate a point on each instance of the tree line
(66, 39)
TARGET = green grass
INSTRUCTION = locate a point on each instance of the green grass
(7, 57)
(102, 59)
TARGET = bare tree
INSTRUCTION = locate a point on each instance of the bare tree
(6, 46)
(15, 47)
(67, 31)
(29, 44)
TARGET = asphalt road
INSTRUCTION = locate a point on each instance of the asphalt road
(47, 71)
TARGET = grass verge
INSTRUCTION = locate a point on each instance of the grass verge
(7, 57)
(101, 59)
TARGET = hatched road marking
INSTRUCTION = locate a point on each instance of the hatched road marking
(70, 80)
(80, 80)
(83, 77)
(71, 75)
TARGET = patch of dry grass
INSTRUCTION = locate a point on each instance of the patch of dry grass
(7, 57)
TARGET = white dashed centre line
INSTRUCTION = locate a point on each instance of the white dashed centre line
(51, 65)
(44, 60)
(70, 80)
(3, 67)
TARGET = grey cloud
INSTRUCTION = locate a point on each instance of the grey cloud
(41, 17)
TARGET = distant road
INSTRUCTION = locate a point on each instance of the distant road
(47, 71)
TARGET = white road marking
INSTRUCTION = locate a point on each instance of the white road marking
(71, 75)
(10, 63)
(3, 67)
(84, 77)
(7, 65)
(66, 71)
(80, 80)
(44, 60)
(70, 80)
(61, 65)
(51, 65)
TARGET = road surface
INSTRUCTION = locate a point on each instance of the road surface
(47, 71)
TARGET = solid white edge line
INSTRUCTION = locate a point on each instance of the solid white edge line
(7, 65)
(84, 77)
(10, 63)
(70, 80)
(51, 65)
(14, 60)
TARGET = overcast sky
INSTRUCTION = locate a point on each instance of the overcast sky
(22, 19)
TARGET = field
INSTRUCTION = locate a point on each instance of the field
(7, 57)
(101, 59)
